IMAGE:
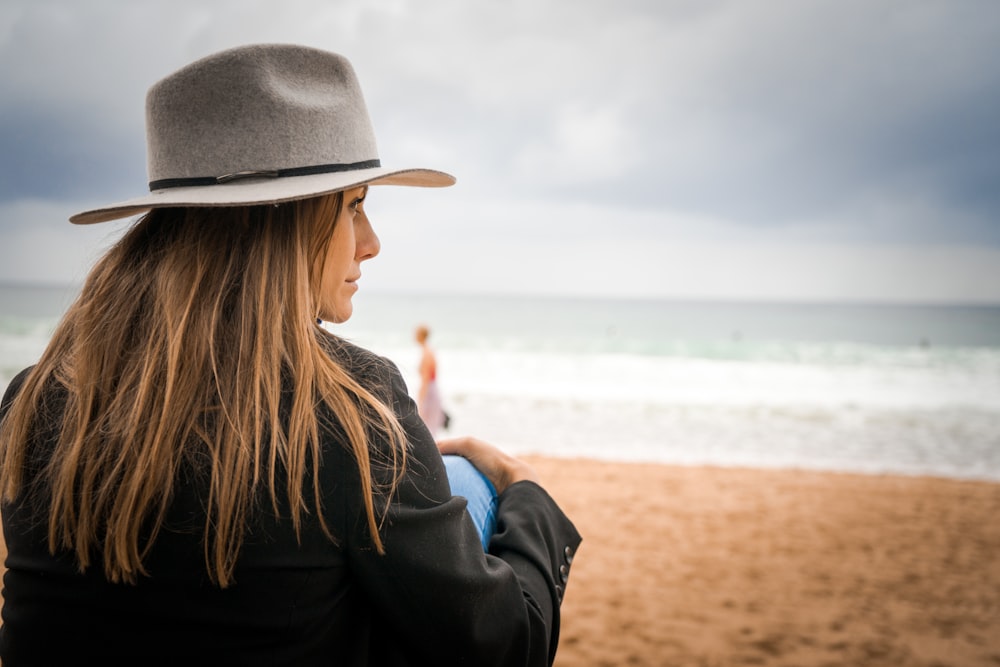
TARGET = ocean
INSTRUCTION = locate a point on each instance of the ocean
(899, 389)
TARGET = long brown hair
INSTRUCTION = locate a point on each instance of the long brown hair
(181, 343)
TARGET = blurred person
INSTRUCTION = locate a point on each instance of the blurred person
(429, 402)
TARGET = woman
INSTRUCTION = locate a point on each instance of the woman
(197, 472)
(428, 395)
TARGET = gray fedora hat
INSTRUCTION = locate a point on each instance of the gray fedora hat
(258, 124)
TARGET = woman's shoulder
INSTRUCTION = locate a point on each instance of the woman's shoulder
(372, 370)
(346, 351)
(13, 389)
(15, 383)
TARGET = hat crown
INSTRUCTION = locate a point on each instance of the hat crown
(259, 124)
(264, 107)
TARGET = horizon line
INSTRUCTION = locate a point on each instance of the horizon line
(7, 283)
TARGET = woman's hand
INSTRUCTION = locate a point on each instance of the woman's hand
(502, 469)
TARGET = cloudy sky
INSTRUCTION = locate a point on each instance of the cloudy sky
(792, 150)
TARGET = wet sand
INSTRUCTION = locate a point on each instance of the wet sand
(707, 566)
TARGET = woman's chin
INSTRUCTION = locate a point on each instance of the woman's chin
(340, 315)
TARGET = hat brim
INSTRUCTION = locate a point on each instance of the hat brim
(255, 191)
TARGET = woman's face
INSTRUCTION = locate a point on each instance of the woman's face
(353, 242)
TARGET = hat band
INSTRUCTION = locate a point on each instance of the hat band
(165, 183)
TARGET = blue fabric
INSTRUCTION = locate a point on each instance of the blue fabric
(468, 482)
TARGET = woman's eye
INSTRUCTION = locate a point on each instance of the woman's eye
(356, 204)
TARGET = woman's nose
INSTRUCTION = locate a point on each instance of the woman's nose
(366, 239)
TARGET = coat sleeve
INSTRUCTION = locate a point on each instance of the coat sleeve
(437, 597)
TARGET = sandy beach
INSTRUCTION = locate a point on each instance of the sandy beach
(712, 566)
(706, 566)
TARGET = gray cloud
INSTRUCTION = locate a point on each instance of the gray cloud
(775, 116)
(844, 121)
(51, 154)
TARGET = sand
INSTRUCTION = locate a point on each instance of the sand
(705, 566)
(709, 566)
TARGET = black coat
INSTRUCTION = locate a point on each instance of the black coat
(434, 598)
